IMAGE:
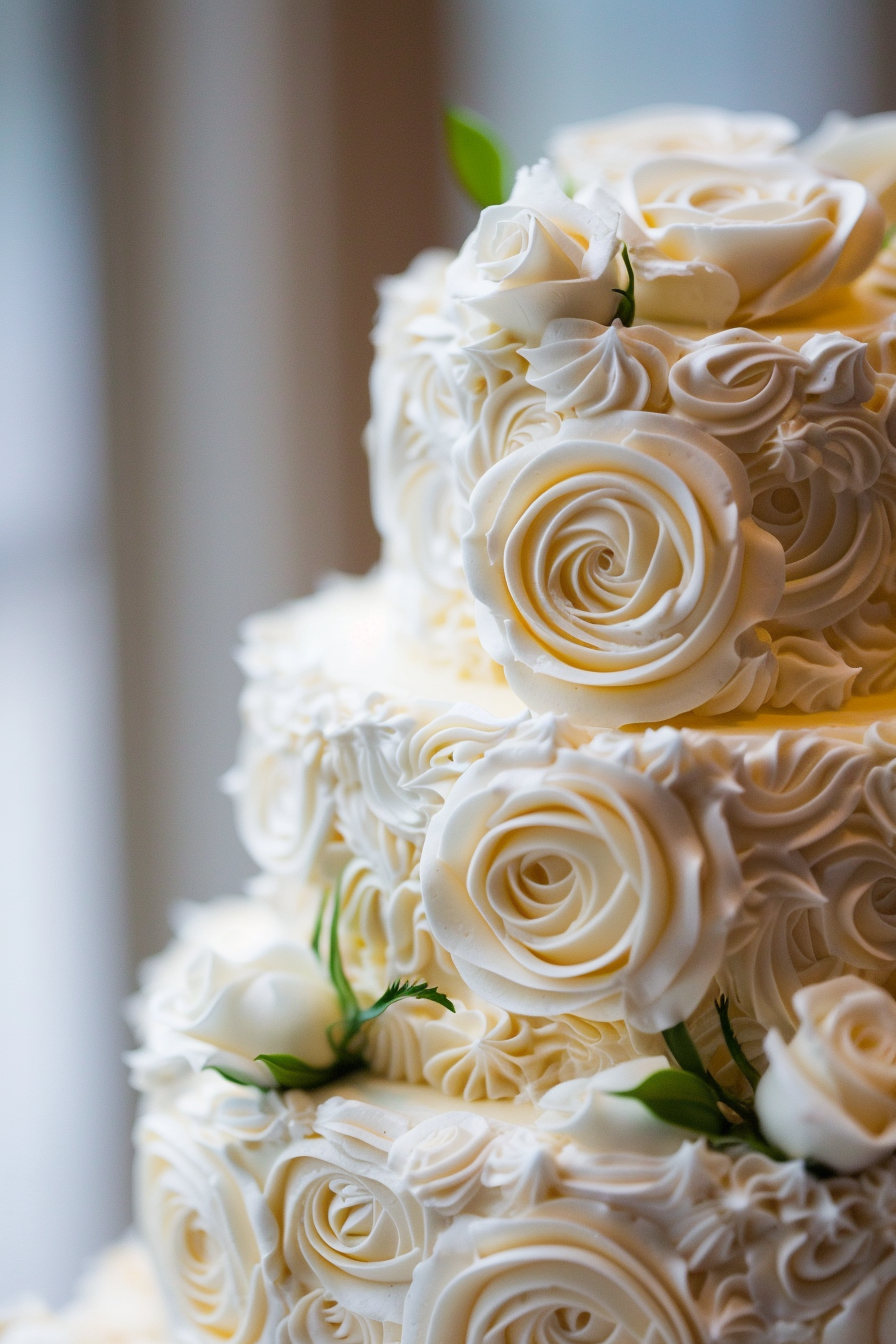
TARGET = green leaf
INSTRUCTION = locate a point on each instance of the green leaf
(235, 1078)
(680, 1099)
(319, 923)
(479, 157)
(625, 309)
(683, 1050)
(889, 235)
(291, 1072)
(735, 1049)
(347, 1002)
(399, 990)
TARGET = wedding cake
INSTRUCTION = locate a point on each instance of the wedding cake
(562, 1009)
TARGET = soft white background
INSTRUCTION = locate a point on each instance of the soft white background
(181, 386)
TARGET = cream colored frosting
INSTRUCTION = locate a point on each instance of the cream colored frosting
(384, 1214)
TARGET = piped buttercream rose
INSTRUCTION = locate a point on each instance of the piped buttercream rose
(616, 568)
(576, 885)
(202, 1214)
(567, 1273)
(606, 149)
(715, 238)
(831, 1093)
(538, 257)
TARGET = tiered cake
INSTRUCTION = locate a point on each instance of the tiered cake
(600, 765)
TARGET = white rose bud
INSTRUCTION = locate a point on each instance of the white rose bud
(831, 1093)
(538, 257)
(587, 1111)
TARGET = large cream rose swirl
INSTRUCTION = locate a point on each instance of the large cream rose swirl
(616, 568)
(739, 385)
(576, 885)
(208, 1230)
(836, 545)
(349, 1226)
(567, 1273)
(606, 149)
(754, 236)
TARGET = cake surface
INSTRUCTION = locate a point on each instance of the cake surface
(561, 1010)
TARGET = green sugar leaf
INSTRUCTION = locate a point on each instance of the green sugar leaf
(288, 1071)
(235, 1078)
(683, 1050)
(680, 1099)
(399, 990)
(348, 1003)
(735, 1049)
(625, 309)
(479, 157)
(319, 923)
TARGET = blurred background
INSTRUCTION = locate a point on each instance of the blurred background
(196, 197)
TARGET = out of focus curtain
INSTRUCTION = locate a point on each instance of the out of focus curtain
(63, 955)
(195, 199)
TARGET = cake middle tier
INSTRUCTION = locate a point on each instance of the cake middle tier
(574, 891)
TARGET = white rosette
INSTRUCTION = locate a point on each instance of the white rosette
(201, 1211)
(868, 1315)
(538, 257)
(759, 234)
(617, 571)
(605, 150)
(855, 867)
(778, 942)
(348, 1223)
(863, 148)
(441, 1160)
(567, 1272)
(564, 882)
(837, 544)
(791, 788)
(238, 981)
(738, 385)
(830, 1094)
(583, 367)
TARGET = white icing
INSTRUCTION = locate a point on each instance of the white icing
(778, 942)
(567, 883)
(855, 867)
(811, 675)
(583, 367)
(201, 1210)
(616, 568)
(840, 372)
(836, 545)
(565, 1273)
(538, 257)
(587, 1111)
(349, 1225)
(863, 148)
(738, 385)
(831, 1093)
(606, 149)
(777, 228)
(441, 1160)
(792, 788)
(511, 417)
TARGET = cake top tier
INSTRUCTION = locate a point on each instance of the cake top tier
(632, 449)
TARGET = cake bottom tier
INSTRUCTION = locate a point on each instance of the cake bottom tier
(374, 1211)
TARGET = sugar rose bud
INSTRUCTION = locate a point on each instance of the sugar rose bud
(831, 1093)
(587, 1111)
(539, 257)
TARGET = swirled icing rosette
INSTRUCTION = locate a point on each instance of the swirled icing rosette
(563, 882)
(566, 1272)
(716, 239)
(616, 568)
